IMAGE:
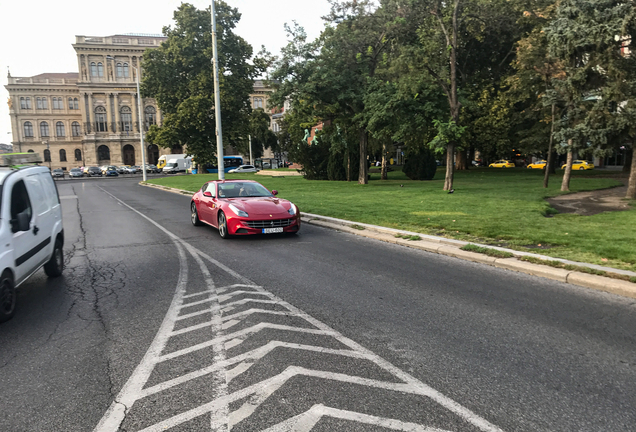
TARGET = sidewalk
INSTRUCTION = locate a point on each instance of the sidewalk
(452, 248)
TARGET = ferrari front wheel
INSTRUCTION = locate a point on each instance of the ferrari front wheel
(194, 216)
(223, 226)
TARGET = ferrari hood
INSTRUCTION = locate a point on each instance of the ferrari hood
(262, 206)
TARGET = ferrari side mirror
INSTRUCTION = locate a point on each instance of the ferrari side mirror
(207, 194)
(274, 192)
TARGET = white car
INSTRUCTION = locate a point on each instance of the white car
(31, 230)
(244, 169)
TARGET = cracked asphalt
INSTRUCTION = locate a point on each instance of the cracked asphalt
(524, 353)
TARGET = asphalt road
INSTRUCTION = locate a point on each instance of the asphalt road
(159, 325)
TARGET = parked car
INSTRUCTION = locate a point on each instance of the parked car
(75, 173)
(94, 172)
(244, 169)
(122, 169)
(150, 168)
(502, 164)
(580, 165)
(242, 207)
(31, 230)
(111, 171)
(131, 170)
(58, 173)
(538, 165)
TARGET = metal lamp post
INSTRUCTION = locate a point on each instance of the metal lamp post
(217, 99)
(139, 118)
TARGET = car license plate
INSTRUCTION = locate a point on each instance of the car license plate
(272, 230)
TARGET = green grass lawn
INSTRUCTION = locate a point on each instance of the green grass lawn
(490, 206)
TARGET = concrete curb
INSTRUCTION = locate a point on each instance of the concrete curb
(451, 247)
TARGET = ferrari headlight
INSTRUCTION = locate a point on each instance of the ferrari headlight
(292, 210)
(237, 211)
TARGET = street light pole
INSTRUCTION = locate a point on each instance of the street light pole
(251, 159)
(217, 99)
(141, 128)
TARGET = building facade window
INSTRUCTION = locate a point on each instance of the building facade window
(75, 103)
(100, 70)
(258, 102)
(42, 103)
(62, 155)
(44, 129)
(59, 129)
(100, 119)
(93, 69)
(75, 129)
(78, 155)
(23, 103)
(58, 103)
(103, 153)
(119, 70)
(47, 155)
(150, 116)
(70, 103)
(28, 130)
(126, 71)
(126, 119)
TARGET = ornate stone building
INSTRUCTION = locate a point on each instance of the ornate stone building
(90, 117)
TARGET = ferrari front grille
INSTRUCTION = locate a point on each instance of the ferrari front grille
(269, 223)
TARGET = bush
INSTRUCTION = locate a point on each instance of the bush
(420, 164)
(336, 170)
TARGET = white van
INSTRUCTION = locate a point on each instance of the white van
(175, 165)
(31, 231)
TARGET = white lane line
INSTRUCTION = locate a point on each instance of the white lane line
(199, 302)
(199, 294)
(231, 344)
(239, 369)
(224, 297)
(131, 391)
(239, 334)
(251, 356)
(231, 323)
(306, 421)
(257, 311)
(192, 328)
(193, 314)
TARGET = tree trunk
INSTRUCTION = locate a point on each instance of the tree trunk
(383, 175)
(461, 163)
(450, 171)
(631, 184)
(565, 184)
(554, 163)
(348, 166)
(550, 161)
(364, 138)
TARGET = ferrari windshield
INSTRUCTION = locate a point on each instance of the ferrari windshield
(240, 189)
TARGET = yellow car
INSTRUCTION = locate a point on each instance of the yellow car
(537, 165)
(502, 164)
(580, 165)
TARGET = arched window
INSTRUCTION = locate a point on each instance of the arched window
(150, 116)
(59, 129)
(258, 102)
(75, 129)
(100, 70)
(44, 129)
(78, 155)
(103, 153)
(120, 70)
(100, 119)
(75, 103)
(126, 73)
(93, 69)
(28, 129)
(70, 103)
(126, 119)
(62, 155)
(47, 155)
(30, 151)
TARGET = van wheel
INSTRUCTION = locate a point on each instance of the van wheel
(7, 297)
(54, 267)
(223, 226)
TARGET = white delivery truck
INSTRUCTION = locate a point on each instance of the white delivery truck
(175, 165)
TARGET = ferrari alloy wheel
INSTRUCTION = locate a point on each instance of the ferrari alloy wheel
(7, 297)
(223, 226)
(194, 216)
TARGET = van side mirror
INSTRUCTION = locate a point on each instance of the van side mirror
(21, 222)
(274, 192)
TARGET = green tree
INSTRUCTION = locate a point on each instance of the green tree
(179, 76)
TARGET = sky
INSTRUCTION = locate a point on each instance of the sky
(36, 36)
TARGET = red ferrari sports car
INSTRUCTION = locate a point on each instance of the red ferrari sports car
(241, 207)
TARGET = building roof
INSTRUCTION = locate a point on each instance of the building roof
(67, 75)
